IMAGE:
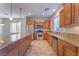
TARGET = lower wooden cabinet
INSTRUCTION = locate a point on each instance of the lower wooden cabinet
(69, 49)
(60, 47)
(14, 52)
(49, 39)
(35, 35)
(77, 51)
(55, 44)
(66, 49)
(17, 48)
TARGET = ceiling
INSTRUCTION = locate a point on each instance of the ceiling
(36, 10)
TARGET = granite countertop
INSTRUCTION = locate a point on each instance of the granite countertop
(68, 37)
(4, 42)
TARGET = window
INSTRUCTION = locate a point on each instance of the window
(14, 37)
(15, 27)
(57, 23)
(15, 30)
(1, 29)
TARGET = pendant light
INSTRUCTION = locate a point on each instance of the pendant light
(20, 12)
(11, 13)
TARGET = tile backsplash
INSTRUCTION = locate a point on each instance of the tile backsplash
(74, 30)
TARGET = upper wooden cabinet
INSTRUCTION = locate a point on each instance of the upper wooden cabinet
(76, 12)
(67, 14)
(62, 18)
(46, 24)
(70, 14)
(30, 22)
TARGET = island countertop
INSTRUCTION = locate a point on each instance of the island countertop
(4, 42)
(68, 37)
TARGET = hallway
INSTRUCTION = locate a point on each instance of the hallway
(40, 48)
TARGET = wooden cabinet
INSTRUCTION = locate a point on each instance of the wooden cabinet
(22, 48)
(67, 14)
(44, 35)
(69, 49)
(73, 13)
(35, 35)
(46, 24)
(30, 21)
(14, 52)
(55, 44)
(49, 39)
(76, 12)
(60, 47)
(70, 14)
(17, 48)
(62, 18)
(77, 51)
(66, 49)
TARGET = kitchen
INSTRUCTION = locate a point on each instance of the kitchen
(63, 36)
(58, 25)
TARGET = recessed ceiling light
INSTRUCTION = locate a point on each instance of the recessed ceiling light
(54, 10)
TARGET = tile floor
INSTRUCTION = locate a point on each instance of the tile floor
(40, 48)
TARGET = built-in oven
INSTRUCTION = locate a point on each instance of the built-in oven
(39, 34)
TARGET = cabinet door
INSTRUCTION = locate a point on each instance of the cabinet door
(69, 50)
(76, 13)
(67, 13)
(46, 24)
(60, 47)
(55, 45)
(44, 35)
(62, 18)
(77, 51)
(73, 13)
(35, 35)
(49, 39)
(14, 52)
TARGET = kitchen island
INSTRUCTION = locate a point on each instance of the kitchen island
(17, 47)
